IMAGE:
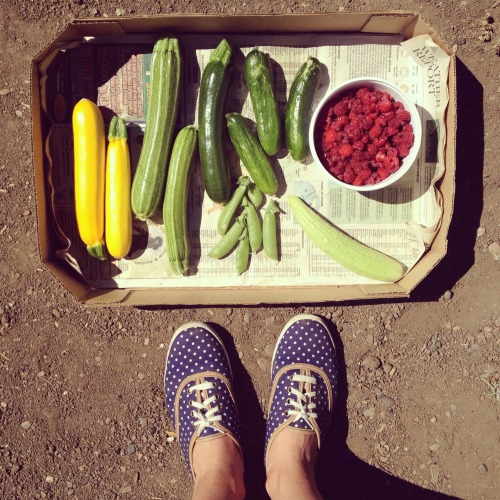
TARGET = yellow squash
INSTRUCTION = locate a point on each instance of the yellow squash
(118, 211)
(89, 142)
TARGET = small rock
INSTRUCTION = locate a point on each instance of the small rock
(433, 420)
(481, 231)
(269, 350)
(49, 479)
(434, 447)
(482, 468)
(246, 318)
(229, 312)
(461, 41)
(107, 420)
(369, 339)
(387, 367)
(371, 362)
(130, 449)
(387, 401)
(140, 376)
(125, 490)
(136, 477)
(26, 425)
(369, 412)
(120, 12)
(4, 92)
(447, 295)
(271, 321)
(56, 313)
(494, 250)
(19, 113)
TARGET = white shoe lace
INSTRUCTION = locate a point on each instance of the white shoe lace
(205, 416)
(303, 406)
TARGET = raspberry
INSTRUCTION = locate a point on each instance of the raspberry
(345, 150)
(330, 136)
(384, 106)
(383, 173)
(403, 150)
(349, 175)
(375, 131)
(403, 115)
(340, 108)
(358, 181)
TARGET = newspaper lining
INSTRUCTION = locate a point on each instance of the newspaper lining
(400, 220)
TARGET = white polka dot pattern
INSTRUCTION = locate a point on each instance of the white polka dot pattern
(305, 341)
(194, 353)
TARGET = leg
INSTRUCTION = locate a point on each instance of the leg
(290, 467)
(218, 470)
(200, 401)
(304, 375)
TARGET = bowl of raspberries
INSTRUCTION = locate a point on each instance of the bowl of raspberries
(366, 134)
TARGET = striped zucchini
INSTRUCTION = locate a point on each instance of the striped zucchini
(299, 108)
(118, 220)
(89, 144)
(259, 78)
(343, 248)
(149, 179)
(251, 153)
(175, 203)
(214, 90)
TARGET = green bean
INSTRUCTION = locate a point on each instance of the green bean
(232, 205)
(227, 242)
(254, 228)
(242, 252)
(270, 237)
(255, 195)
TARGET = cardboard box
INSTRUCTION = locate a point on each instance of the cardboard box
(407, 23)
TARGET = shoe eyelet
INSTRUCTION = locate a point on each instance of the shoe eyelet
(217, 396)
(213, 385)
(288, 401)
(289, 390)
(191, 413)
(286, 413)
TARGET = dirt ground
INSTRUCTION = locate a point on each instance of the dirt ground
(82, 412)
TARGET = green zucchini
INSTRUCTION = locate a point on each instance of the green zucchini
(345, 249)
(214, 90)
(251, 153)
(299, 108)
(175, 202)
(149, 179)
(259, 78)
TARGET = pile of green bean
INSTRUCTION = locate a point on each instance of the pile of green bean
(240, 225)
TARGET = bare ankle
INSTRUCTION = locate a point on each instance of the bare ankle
(218, 467)
(290, 466)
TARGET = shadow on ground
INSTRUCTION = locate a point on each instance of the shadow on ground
(340, 473)
(468, 190)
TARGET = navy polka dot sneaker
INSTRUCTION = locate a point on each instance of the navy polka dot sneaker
(304, 379)
(198, 390)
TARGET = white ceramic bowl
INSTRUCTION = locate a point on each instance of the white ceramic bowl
(371, 84)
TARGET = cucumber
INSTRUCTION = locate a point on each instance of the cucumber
(259, 78)
(148, 185)
(299, 108)
(175, 203)
(343, 248)
(251, 153)
(214, 90)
